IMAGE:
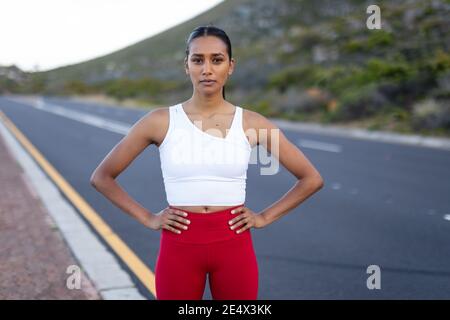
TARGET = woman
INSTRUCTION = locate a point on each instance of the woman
(206, 227)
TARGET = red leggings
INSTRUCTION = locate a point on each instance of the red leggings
(210, 247)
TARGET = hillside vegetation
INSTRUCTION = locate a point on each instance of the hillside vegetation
(296, 59)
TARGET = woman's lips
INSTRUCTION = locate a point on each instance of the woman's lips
(208, 82)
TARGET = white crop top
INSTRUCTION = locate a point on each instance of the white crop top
(201, 169)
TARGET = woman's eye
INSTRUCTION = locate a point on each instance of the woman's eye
(198, 60)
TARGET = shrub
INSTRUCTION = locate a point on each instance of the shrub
(297, 100)
(354, 46)
(76, 87)
(304, 75)
(379, 38)
(356, 103)
(389, 70)
(431, 114)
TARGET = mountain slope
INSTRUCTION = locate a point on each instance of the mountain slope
(301, 57)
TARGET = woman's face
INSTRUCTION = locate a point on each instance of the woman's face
(208, 60)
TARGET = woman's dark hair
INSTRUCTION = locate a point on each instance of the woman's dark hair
(210, 30)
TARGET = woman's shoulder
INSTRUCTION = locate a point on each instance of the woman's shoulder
(255, 120)
(157, 123)
(159, 112)
(157, 116)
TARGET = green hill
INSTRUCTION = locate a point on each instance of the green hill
(301, 59)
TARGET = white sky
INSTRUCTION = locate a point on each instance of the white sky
(44, 34)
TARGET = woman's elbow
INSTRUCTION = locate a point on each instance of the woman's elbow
(320, 183)
(317, 182)
(94, 180)
(97, 179)
(313, 182)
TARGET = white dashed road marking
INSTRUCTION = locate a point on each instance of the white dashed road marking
(317, 145)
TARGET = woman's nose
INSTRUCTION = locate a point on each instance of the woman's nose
(206, 68)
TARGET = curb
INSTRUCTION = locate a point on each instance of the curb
(364, 134)
(328, 129)
(102, 268)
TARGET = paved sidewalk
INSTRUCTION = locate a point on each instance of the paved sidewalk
(33, 255)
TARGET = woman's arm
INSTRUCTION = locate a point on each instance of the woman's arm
(309, 179)
(142, 134)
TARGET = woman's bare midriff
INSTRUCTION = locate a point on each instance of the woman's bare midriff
(203, 209)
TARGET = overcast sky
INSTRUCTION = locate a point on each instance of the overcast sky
(44, 34)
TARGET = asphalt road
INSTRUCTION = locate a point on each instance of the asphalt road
(382, 204)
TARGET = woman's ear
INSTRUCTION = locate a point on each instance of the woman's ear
(186, 67)
(232, 64)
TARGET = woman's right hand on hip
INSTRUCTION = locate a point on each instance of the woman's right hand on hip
(171, 219)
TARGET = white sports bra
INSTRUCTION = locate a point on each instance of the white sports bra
(201, 169)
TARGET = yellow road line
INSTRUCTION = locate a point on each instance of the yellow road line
(143, 273)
